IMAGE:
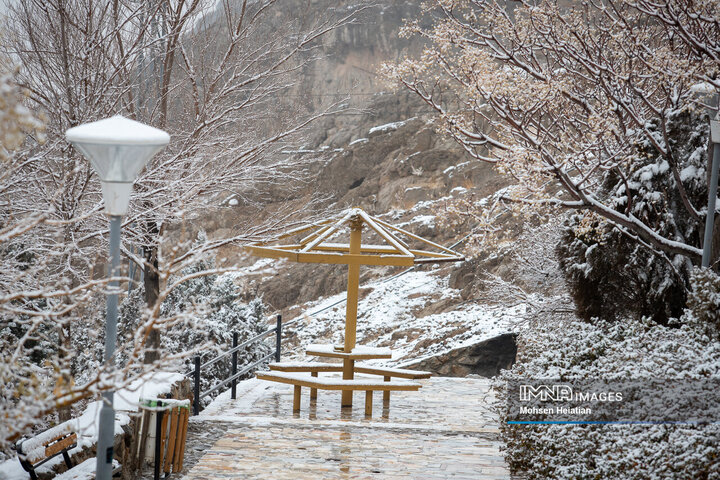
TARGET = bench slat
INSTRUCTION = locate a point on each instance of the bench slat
(334, 383)
(34, 448)
(357, 353)
(57, 447)
(392, 372)
(359, 368)
(306, 367)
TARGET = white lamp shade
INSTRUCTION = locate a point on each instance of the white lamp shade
(118, 148)
(118, 163)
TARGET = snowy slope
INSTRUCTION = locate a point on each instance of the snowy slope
(398, 313)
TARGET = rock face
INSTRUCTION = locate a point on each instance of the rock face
(403, 169)
(486, 358)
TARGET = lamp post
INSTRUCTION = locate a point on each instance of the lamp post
(118, 149)
(712, 191)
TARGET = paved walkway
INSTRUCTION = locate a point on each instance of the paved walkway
(446, 430)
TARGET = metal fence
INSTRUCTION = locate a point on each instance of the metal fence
(235, 374)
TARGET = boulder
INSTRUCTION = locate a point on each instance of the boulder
(485, 358)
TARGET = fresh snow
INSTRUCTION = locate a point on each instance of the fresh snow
(117, 130)
(150, 386)
(388, 127)
(427, 220)
(86, 470)
(703, 87)
(388, 315)
(358, 350)
(299, 150)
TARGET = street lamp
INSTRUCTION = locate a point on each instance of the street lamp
(118, 148)
(714, 152)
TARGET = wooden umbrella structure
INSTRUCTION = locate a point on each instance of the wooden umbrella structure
(316, 247)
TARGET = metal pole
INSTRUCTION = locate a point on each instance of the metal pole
(278, 337)
(158, 436)
(106, 432)
(712, 192)
(234, 365)
(196, 387)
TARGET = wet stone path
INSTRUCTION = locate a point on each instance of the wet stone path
(447, 430)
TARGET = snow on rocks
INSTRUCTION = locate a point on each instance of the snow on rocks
(398, 313)
(427, 220)
(358, 141)
(387, 128)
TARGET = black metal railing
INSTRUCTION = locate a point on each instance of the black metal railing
(235, 374)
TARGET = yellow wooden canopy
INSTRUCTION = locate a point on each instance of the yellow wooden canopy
(315, 247)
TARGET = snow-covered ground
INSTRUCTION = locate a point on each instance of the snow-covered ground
(399, 313)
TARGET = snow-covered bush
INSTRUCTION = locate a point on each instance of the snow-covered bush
(205, 310)
(611, 274)
(621, 350)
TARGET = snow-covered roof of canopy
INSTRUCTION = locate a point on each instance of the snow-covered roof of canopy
(315, 247)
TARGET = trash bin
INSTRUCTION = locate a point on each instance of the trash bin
(163, 431)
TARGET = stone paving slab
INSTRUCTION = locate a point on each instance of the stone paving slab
(446, 430)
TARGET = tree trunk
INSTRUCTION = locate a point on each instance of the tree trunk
(65, 347)
(64, 351)
(152, 290)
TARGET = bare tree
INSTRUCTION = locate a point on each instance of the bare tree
(581, 104)
(34, 306)
(210, 73)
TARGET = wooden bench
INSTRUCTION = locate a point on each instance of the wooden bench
(55, 441)
(314, 368)
(368, 386)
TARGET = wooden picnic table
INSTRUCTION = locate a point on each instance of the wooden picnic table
(316, 247)
(357, 352)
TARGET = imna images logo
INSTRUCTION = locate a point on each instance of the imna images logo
(545, 393)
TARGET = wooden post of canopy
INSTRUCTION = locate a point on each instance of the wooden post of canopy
(351, 308)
